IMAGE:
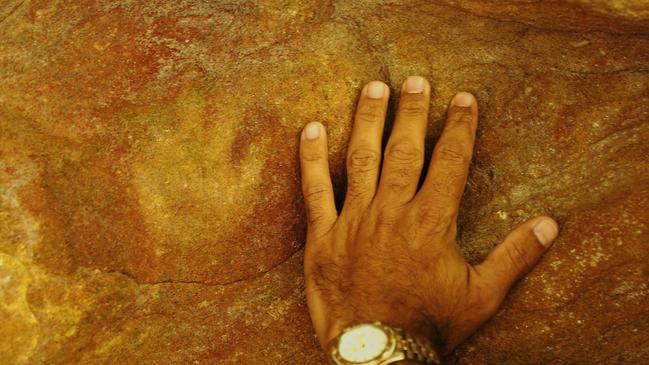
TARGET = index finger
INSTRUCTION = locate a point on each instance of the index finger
(316, 181)
(449, 165)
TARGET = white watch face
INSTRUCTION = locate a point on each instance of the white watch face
(362, 343)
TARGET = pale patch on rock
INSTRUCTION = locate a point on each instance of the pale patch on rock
(184, 178)
(23, 225)
(19, 331)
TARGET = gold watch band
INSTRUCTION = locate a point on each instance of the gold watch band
(415, 350)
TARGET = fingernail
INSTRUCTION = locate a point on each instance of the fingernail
(415, 84)
(375, 90)
(545, 231)
(463, 99)
(312, 131)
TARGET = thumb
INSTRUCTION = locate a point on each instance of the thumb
(518, 253)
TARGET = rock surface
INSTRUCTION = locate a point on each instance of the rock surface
(149, 202)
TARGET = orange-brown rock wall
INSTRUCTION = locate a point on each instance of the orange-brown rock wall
(149, 195)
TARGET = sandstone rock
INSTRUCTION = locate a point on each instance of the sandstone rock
(150, 210)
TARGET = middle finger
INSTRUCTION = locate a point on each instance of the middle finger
(404, 153)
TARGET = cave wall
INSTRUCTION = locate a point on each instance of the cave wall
(149, 194)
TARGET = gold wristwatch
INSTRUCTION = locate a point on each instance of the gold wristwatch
(374, 343)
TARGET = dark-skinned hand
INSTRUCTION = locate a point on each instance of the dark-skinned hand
(391, 253)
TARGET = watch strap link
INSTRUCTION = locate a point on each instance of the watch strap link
(415, 350)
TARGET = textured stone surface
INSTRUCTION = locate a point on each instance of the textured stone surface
(149, 207)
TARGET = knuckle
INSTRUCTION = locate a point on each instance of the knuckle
(362, 165)
(517, 257)
(369, 114)
(405, 153)
(314, 193)
(405, 166)
(453, 153)
(385, 221)
(363, 158)
(309, 155)
(435, 220)
(413, 109)
(439, 188)
(460, 115)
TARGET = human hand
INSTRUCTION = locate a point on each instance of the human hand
(391, 255)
